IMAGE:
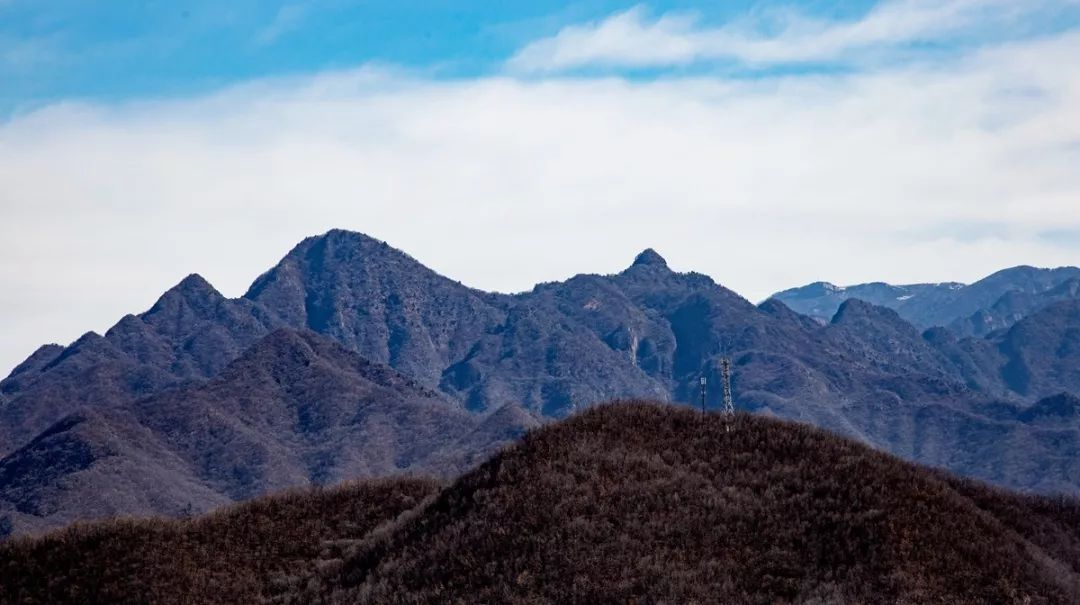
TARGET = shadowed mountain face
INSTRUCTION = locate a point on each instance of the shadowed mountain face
(180, 377)
(1043, 351)
(624, 503)
(1014, 306)
(294, 409)
(993, 303)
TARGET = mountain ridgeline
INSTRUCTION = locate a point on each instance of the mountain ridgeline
(994, 303)
(623, 503)
(349, 358)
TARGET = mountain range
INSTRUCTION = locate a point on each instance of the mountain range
(349, 358)
(625, 503)
(988, 305)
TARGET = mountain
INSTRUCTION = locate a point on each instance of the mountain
(1043, 351)
(992, 303)
(295, 409)
(350, 358)
(378, 301)
(190, 333)
(821, 300)
(1014, 306)
(630, 502)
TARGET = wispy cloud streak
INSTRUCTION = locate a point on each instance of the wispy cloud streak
(635, 39)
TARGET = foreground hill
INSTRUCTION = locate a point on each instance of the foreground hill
(620, 503)
(237, 555)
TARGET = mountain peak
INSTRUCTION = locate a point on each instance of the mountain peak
(649, 257)
(193, 287)
(194, 281)
(193, 290)
(855, 310)
(341, 238)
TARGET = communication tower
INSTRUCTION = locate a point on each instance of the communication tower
(725, 373)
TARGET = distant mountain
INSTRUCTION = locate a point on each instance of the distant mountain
(1012, 307)
(173, 386)
(621, 504)
(295, 409)
(1043, 351)
(821, 300)
(995, 302)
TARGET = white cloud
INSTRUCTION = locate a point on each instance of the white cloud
(633, 39)
(502, 183)
(287, 18)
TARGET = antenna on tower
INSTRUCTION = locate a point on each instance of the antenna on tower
(702, 394)
(725, 373)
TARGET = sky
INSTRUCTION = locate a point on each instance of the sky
(766, 144)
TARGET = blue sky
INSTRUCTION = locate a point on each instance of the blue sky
(767, 144)
(58, 49)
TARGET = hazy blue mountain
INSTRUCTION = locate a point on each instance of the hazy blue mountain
(992, 303)
(1014, 306)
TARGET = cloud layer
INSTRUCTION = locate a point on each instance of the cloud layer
(922, 172)
(636, 40)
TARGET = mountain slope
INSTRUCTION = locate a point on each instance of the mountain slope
(821, 300)
(994, 302)
(378, 301)
(93, 465)
(295, 409)
(624, 503)
(242, 554)
(647, 331)
(1043, 350)
(190, 333)
(1014, 306)
(638, 502)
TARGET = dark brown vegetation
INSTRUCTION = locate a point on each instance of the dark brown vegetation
(639, 502)
(242, 554)
(631, 502)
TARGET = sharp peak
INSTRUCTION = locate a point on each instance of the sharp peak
(194, 281)
(192, 286)
(192, 290)
(347, 234)
(343, 236)
(343, 239)
(649, 257)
